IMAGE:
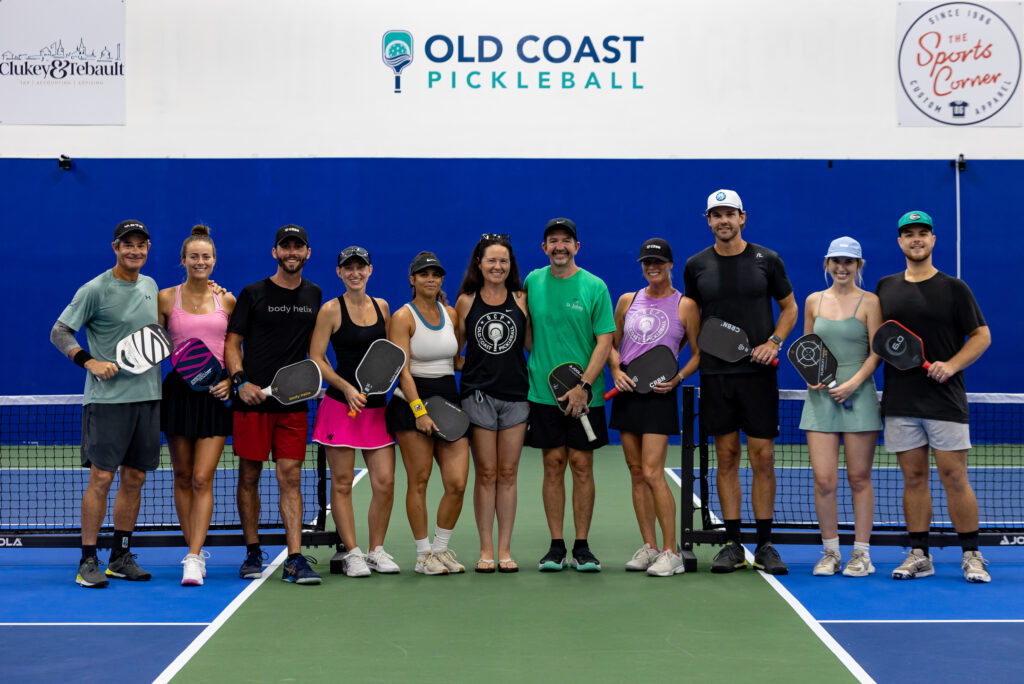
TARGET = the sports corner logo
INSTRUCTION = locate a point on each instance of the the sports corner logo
(53, 62)
(527, 62)
(959, 62)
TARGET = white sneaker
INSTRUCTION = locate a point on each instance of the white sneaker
(915, 565)
(203, 555)
(383, 562)
(355, 564)
(428, 564)
(447, 558)
(974, 567)
(643, 558)
(830, 564)
(859, 565)
(667, 563)
(192, 573)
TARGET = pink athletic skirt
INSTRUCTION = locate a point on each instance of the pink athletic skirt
(366, 430)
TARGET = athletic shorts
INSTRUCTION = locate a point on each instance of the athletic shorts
(194, 415)
(115, 435)
(257, 435)
(550, 428)
(645, 414)
(491, 413)
(365, 430)
(399, 416)
(903, 434)
(748, 402)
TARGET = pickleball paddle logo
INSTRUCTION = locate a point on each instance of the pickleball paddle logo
(397, 54)
(959, 62)
(647, 325)
(897, 345)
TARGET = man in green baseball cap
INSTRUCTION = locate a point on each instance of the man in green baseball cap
(915, 218)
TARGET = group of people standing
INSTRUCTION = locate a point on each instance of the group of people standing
(504, 335)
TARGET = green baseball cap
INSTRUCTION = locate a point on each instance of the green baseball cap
(915, 217)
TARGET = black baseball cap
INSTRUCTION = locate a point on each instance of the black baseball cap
(353, 252)
(656, 248)
(561, 224)
(291, 231)
(130, 226)
(424, 261)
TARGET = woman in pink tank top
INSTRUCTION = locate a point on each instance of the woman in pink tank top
(656, 315)
(196, 424)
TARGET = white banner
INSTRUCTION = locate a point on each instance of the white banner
(62, 62)
(959, 64)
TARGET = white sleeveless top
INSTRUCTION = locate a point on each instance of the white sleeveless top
(432, 349)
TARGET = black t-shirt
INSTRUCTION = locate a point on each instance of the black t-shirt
(495, 364)
(941, 311)
(739, 290)
(275, 324)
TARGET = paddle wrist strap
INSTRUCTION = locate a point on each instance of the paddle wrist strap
(82, 357)
(417, 408)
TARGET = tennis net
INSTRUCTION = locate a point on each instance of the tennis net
(995, 469)
(42, 480)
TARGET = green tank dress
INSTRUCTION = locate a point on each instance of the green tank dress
(848, 340)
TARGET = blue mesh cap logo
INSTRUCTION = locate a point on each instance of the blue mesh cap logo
(720, 196)
(397, 53)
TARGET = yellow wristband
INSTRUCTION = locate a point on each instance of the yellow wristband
(417, 408)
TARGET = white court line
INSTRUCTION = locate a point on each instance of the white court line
(171, 670)
(904, 622)
(827, 639)
(103, 624)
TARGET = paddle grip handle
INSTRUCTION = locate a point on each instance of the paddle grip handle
(846, 404)
(352, 412)
(587, 428)
(614, 391)
(926, 365)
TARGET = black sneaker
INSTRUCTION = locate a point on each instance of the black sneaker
(729, 559)
(252, 568)
(124, 567)
(553, 560)
(90, 575)
(767, 559)
(298, 571)
(584, 561)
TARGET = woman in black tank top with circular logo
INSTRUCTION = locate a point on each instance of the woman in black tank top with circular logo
(492, 319)
(351, 323)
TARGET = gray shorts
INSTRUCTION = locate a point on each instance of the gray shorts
(115, 435)
(494, 414)
(903, 434)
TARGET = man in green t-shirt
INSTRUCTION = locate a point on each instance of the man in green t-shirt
(572, 321)
(121, 412)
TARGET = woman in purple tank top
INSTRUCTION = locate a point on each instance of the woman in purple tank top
(196, 424)
(656, 315)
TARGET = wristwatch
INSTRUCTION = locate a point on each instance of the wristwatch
(586, 386)
(776, 339)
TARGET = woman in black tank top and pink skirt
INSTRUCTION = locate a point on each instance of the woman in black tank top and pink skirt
(492, 319)
(350, 323)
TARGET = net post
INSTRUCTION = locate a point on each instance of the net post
(686, 482)
(321, 487)
(705, 490)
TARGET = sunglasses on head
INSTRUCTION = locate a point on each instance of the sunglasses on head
(495, 236)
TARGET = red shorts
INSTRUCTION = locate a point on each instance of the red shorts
(256, 435)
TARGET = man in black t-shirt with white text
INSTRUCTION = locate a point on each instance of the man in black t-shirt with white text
(736, 281)
(925, 409)
(274, 318)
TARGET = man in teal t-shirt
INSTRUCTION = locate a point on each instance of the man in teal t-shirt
(572, 321)
(121, 412)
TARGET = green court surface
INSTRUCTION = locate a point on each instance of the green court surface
(530, 626)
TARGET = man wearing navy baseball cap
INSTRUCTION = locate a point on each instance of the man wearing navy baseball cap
(736, 281)
(928, 409)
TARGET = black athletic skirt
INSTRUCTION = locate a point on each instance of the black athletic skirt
(650, 413)
(187, 413)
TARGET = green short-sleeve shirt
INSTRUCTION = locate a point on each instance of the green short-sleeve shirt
(111, 309)
(567, 315)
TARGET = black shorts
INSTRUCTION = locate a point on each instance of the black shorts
(748, 402)
(645, 414)
(398, 416)
(187, 413)
(550, 428)
(115, 435)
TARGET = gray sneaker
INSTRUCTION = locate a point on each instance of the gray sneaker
(859, 565)
(974, 567)
(829, 564)
(915, 565)
(90, 575)
(643, 558)
(428, 564)
(124, 567)
(447, 558)
(767, 559)
(731, 557)
(667, 563)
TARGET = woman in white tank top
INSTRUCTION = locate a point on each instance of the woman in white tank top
(424, 329)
